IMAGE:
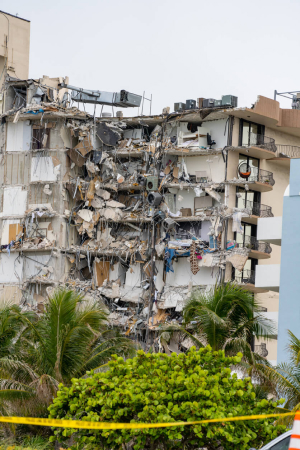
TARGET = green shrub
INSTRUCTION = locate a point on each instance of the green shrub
(160, 388)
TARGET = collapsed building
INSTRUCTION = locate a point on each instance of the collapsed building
(136, 212)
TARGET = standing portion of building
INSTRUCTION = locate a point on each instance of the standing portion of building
(289, 309)
(138, 212)
(14, 47)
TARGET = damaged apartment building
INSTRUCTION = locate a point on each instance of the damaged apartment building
(137, 212)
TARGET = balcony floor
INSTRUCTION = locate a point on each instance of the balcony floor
(257, 152)
(250, 219)
(257, 186)
(251, 288)
(285, 162)
(255, 254)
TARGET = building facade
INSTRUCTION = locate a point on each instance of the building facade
(283, 277)
(138, 212)
(14, 48)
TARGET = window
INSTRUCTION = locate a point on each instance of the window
(282, 445)
(248, 199)
(40, 137)
(244, 239)
(251, 133)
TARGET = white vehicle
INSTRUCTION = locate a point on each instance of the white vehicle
(280, 443)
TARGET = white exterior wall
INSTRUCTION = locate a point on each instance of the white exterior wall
(18, 136)
(32, 267)
(10, 268)
(14, 201)
(182, 275)
(42, 169)
(213, 165)
(269, 230)
(267, 277)
(217, 128)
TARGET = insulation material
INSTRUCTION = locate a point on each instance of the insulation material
(84, 147)
(18, 136)
(103, 194)
(85, 214)
(101, 272)
(194, 259)
(14, 201)
(238, 261)
(76, 157)
(114, 204)
(215, 195)
(97, 202)
(42, 169)
(11, 267)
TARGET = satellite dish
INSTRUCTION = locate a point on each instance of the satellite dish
(244, 170)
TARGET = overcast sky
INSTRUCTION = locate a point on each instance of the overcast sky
(172, 49)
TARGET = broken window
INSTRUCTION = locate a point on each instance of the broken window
(40, 137)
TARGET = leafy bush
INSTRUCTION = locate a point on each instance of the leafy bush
(159, 388)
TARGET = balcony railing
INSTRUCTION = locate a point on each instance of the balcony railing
(287, 151)
(259, 140)
(261, 350)
(245, 277)
(252, 243)
(262, 176)
(257, 209)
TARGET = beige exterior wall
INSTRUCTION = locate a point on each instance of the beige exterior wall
(14, 47)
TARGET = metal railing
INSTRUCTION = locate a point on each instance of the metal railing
(258, 209)
(259, 140)
(252, 243)
(287, 151)
(246, 277)
(261, 350)
(260, 175)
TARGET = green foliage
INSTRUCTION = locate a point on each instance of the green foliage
(39, 352)
(156, 388)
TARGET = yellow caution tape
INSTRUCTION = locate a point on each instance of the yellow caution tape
(117, 426)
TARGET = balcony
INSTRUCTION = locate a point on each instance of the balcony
(259, 146)
(256, 210)
(258, 250)
(246, 279)
(261, 350)
(259, 180)
(285, 153)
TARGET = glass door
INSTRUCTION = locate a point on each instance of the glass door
(249, 199)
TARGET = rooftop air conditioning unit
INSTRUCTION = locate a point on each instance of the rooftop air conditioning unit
(179, 106)
(190, 104)
(218, 103)
(208, 103)
(229, 100)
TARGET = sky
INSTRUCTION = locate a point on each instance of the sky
(172, 49)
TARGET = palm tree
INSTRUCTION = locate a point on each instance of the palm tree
(227, 318)
(68, 339)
